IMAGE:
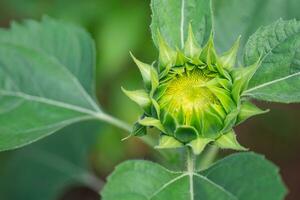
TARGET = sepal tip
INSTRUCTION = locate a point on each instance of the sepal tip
(167, 56)
(140, 97)
(191, 48)
(228, 59)
(167, 142)
(229, 141)
(199, 144)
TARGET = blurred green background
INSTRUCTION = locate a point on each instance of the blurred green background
(73, 163)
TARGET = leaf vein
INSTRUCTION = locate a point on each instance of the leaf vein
(216, 185)
(182, 23)
(167, 184)
(270, 83)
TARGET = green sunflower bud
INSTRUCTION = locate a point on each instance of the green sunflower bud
(193, 96)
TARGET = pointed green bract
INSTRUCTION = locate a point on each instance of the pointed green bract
(180, 58)
(140, 97)
(228, 59)
(145, 70)
(167, 56)
(230, 120)
(168, 142)
(208, 54)
(154, 80)
(191, 48)
(228, 141)
(149, 121)
(248, 110)
(241, 77)
(199, 144)
(224, 98)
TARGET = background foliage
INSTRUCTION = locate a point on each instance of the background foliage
(117, 27)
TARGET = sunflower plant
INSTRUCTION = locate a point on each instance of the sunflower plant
(192, 98)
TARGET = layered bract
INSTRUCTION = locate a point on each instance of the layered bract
(193, 96)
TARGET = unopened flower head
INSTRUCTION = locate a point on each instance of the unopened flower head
(193, 96)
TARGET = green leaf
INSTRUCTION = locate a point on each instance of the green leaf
(46, 81)
(70, 46)
(244, 176)
(278, 77)
(235, 17)
(61, 162)
(172, 19)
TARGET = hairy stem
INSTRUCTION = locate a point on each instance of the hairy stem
(190, 170)
(209, 157)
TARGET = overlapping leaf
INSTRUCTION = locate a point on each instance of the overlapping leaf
(245, 176)
(172, 19)
(46, 80)
(278, 77)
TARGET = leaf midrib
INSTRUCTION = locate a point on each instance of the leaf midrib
(75, 80)
(49, 102)
(216, 185)
(219, 187)
(94, 114)
(247, 92)
(167, 184)
(182, 23)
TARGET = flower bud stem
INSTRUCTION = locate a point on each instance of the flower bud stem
(191, 170)
(208, 158)
(190, 160)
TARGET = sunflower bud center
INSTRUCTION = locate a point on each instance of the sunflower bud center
(188, 92)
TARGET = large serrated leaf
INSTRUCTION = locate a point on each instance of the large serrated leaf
(46, 80)
(242, 176)
(172, 19)
(278, 77)
(68, 44)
